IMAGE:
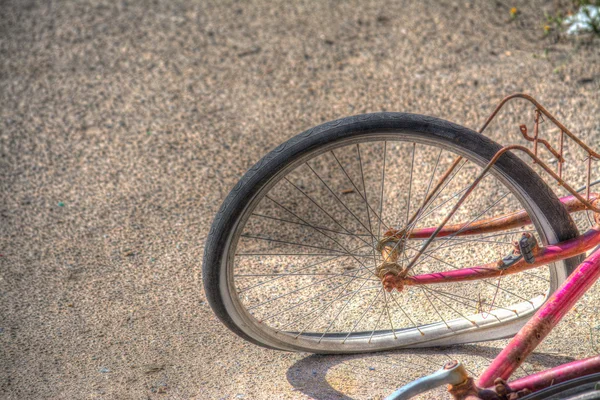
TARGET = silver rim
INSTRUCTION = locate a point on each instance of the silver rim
(256, 313)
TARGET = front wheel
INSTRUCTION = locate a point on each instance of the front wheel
(290, 262)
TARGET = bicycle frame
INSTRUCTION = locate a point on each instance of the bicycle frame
(492, 383)
(538, 327)
(543, 254)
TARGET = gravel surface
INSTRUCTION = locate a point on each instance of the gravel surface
(123, 125)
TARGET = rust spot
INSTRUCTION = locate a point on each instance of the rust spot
(468, 390)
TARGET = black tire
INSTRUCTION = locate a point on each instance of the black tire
(510, 166)
(583, 388)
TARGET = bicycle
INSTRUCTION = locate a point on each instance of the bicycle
(366, 234)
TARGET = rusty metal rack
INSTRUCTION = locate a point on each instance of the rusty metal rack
(537, 140)
(558, 154)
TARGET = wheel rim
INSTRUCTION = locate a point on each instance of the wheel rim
(298, 193)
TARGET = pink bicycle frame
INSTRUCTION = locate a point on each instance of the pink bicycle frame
(543, 255)
(548, 316)
(539, 326)
(492, 382)
(544, 320)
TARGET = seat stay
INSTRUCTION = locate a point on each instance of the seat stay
(495, 224)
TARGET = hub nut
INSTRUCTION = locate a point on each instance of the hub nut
(390, 270)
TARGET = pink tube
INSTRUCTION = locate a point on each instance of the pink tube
(543, 321)
(496, 224)
(545, 255)
(556, 375)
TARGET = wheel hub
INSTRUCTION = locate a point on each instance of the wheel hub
(390, 271)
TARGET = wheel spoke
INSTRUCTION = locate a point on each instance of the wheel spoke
(377, 323)
(324, 234)
(301, 269)
(416, 219)
(308, 225)
(450, 307)
(324, 308)
(446, 294)
(382, 187)
(410, 180)
(453, 298)
(363, 315)
(339, 200)
(309, 299)
(387, 309)
(357, 189)
(320, 207)
(362, 177)
(405, 314)
(434, 307)
(289, 293)
(340, 311)
(267, 239)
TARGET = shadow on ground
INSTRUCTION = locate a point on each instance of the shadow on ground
(318, 376)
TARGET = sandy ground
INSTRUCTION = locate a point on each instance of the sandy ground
(123, 125)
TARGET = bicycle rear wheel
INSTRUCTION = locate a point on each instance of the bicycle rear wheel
(290, 259)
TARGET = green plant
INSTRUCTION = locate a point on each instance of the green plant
(593, 18)
(553, 22)
(561, 19)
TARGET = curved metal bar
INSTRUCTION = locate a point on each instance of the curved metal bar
(539, 110)
(495, 224)
(494, 159)
(552, 173)
(546, 114)
(453, 373)
(556, 154)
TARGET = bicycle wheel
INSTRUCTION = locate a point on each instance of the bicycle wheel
(290, 259)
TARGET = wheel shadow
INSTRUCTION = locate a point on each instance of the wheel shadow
(375, 375)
